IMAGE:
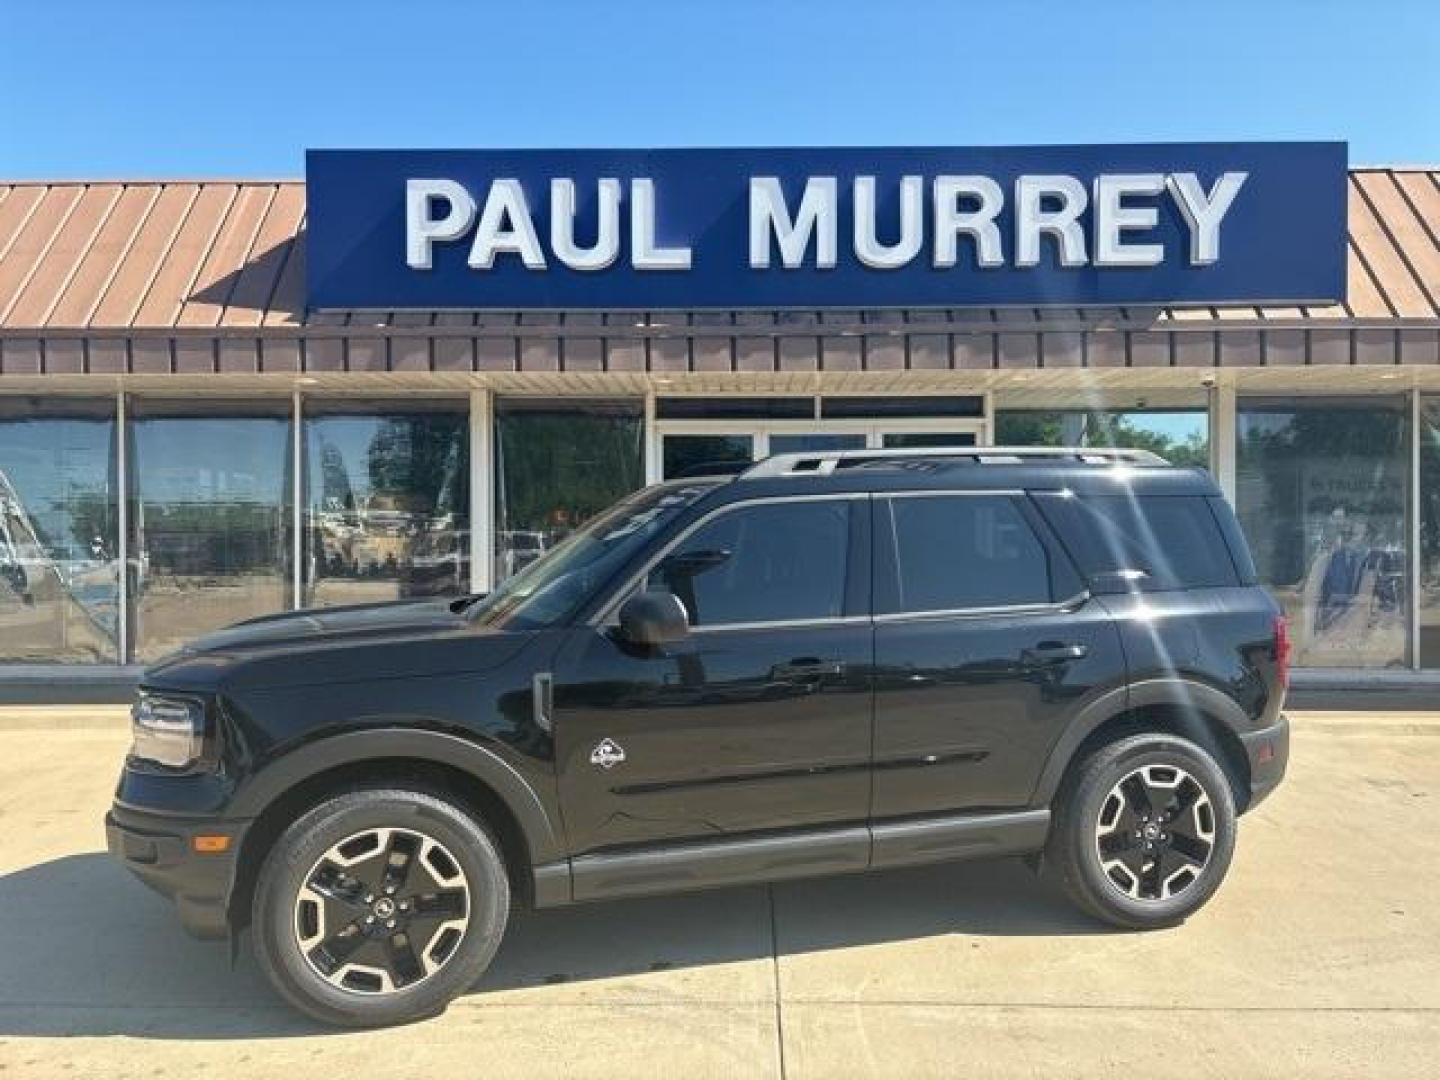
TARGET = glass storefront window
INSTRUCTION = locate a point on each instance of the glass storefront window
(1182, 437)
(1429, 555)
(209, 518)
(705, 455)
(1321, 492)
(816, 443)
(387, 509)
(558, 464)
(59, 574)
(926, 440)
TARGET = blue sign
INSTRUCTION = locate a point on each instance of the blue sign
(1207, 223)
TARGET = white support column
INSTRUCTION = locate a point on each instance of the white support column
(654, 462)
(122, 553)
(297, 504)
(1223, 432)
(482, 490)
(1413, 562)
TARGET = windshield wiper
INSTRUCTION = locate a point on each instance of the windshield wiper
(461, 603)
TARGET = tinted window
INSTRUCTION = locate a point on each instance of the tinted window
(558, 464)
(1234, 539)
(1175, 540)
(763, 563)
(561, 579)
(705, 455)
(963, 551)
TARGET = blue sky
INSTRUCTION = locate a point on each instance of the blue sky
(205, 88)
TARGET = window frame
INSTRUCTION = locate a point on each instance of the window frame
(886, 559)
(859, 565)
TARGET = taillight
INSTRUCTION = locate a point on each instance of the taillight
(1282, 650)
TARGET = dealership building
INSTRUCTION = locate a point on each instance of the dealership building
(225, 398)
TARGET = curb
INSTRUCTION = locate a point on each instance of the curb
(64, 718)
(1342, 724)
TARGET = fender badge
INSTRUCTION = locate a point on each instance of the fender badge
(607, 754)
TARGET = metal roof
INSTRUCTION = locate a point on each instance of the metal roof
(163, 255)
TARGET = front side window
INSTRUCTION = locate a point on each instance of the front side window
(953, 552)
(558, 582)
(767, 562)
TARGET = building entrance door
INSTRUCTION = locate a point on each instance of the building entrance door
(683, 448)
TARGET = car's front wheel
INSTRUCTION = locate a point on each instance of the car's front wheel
(1144, 830)
(379, 907)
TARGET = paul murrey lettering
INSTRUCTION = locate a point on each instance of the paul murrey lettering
(948, 220)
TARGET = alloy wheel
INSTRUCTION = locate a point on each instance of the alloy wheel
(382, 910)
(1155, 833)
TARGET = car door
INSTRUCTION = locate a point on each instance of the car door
(759, 720)
(986, 647)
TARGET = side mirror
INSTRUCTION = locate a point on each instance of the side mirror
(653, 619)
(693, 563)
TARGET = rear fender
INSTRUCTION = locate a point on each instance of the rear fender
(1182, 693)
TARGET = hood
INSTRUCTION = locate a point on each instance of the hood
(344, 644)
(391, 619)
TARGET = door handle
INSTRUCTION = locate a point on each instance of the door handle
(809, 667)
(1054, 652)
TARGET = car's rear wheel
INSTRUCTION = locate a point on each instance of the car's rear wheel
(1144, 831)
(379, 907)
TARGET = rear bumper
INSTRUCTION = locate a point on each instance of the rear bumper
(158, 849)
(1268, 752)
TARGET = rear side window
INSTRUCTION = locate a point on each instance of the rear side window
(1173, 540)
(953, 552)
(1239, 549)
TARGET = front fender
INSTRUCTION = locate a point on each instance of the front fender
(542, 837)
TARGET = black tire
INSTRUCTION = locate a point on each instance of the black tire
(1094, 855)
(430, 885)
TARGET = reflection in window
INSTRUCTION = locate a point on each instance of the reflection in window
(705, 455)
(771, 562)
(387, 502)
(1180, 437)
(816, 443)
(59, 578)
(1321, 492)
(209, 518)
(556, 466)
(952, 552)
(1172, 541)
(1429, 532)
(927, 440)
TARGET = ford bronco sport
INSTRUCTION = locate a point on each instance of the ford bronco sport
(830, 662)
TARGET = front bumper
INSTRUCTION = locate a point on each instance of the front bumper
(159, 850)
(1268, 752)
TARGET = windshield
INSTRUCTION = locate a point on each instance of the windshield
(550, 589)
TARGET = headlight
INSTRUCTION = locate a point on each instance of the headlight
(167, 731)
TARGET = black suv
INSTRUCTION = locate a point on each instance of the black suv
(831, 662)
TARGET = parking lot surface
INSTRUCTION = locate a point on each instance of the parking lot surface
(1319, 958)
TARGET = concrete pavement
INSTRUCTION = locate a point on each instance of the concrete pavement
(1320, 957)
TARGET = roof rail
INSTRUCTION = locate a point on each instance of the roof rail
(823, 463)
